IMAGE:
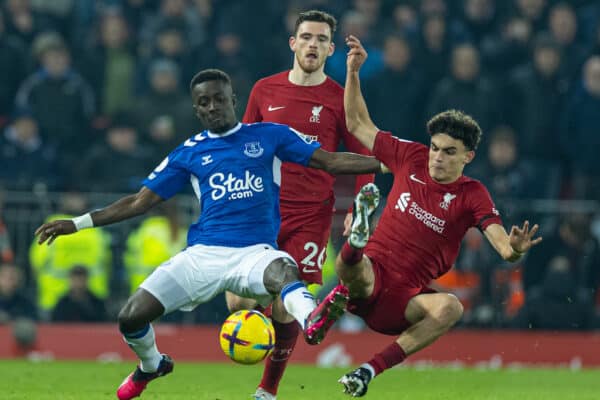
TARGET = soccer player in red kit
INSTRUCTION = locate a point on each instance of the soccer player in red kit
(430, 208)
(306, 99)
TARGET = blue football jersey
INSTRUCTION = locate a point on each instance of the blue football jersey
(236, 177)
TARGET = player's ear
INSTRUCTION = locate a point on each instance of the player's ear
(234, 99)
(469, 156)
(331, 48)
(292, 43)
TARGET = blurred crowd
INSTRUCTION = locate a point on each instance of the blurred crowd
(93, 94)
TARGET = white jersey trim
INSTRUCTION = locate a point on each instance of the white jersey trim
(277, 171)
(196, 186)
(229, 132)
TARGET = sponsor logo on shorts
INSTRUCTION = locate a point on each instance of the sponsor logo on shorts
(234, 187)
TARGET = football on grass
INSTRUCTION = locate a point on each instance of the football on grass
(247, 336)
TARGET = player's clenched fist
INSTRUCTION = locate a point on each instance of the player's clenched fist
(356, 55)
(51, 230)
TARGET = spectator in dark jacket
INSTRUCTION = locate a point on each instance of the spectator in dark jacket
(555, 303)
(12, 70)
(579, 132)
(534, 97)
(163, 115)
(26, 159)
(14, 303)
(121, 150)
(573, 243)
(60, 99)
(466, 89)
(79, 304)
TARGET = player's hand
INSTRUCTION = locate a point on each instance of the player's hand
(51, 230)
(347, 224)
(521, 239)
(356, 55)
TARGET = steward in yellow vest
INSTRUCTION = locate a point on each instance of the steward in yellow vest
(156, 240)
(51, 264)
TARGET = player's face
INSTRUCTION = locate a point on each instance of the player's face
(447, 158)
(214, 104)
(312, 45)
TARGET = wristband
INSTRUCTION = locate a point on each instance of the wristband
(83, 221)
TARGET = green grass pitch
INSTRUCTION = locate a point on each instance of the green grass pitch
(201, 381)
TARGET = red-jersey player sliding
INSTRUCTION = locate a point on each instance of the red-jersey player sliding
(430, 208)
(312, 103)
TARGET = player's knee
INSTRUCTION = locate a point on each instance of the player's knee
(279, 273)
(141, 309)
(450, 310)
(128, 321)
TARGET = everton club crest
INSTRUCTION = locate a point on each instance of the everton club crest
(253, 149)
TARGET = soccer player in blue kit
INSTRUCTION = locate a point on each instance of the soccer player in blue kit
(234, 169)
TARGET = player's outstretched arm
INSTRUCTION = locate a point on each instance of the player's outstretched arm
(513, 246)
(340, 163)
(358, 120)
(122, 209)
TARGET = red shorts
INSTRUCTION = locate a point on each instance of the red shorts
(384, 310)
(304, 234)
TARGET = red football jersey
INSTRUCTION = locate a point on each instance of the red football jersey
(316, 111)
(422, 226)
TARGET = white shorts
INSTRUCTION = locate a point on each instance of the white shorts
(199, 273)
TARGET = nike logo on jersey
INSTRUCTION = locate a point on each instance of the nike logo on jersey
(414, 178)
(271, 108)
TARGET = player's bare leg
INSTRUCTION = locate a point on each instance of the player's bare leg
(430, 315)
(237, 303)
(134, 323)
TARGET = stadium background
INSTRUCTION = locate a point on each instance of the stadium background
(93, 94)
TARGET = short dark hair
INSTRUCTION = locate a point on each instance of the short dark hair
(457, 125)
(209, 75)
(316, 16)
(79, 270)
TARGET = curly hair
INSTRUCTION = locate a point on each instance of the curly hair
(457, 125)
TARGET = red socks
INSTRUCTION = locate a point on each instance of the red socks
(275, 364)
(350, 255)
(390, 356)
